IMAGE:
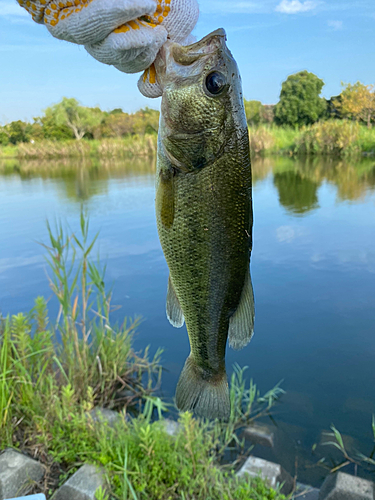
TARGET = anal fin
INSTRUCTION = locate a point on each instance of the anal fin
(241, 324)
(174, 311)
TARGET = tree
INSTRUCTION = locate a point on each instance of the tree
(300, 102)
(146, 121)
(79, 119)
(253, 112)
(4, 136)
(117, 124)
(358, 102)
(15, 132)
(257, 113)
(268, 113)
(120, 124)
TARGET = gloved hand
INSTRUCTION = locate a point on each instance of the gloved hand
(124, 33)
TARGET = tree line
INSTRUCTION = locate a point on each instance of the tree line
(69, 120)
(300, 104)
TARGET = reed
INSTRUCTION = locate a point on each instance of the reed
(80, 350)
(137, 145)
(337, 138)
(333, 137)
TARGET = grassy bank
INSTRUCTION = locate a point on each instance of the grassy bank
(328, 138)
(52, 373)
(143, 145)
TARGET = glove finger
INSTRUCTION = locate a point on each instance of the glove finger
(148, 84)
(130, 48)
(35, 8)
(178, 17)
(89, 21)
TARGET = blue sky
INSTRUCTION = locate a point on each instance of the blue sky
(270, 39)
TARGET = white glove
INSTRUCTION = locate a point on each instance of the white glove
(124, 33)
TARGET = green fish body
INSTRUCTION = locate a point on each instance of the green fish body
(204, 214)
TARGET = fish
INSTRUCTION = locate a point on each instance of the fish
(204, 214)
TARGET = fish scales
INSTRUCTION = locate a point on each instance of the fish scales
(204, 216)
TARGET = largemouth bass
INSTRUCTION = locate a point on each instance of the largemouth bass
(204, 213)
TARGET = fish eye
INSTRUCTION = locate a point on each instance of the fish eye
(215, 83)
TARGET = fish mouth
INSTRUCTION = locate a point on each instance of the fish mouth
(188, 54)
(174, 58)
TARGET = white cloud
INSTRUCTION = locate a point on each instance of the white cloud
(295, 6)
(9, 8)
(336, 25)
(285, 234)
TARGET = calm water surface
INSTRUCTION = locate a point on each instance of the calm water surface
(313, 271)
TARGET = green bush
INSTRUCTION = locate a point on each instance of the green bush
(329, 138)
(366, 139)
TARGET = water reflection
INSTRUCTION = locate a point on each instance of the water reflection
(297, 180)
(297, 193)
(80, 180)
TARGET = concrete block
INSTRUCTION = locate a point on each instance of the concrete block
(171, 426)
(260, 434)
(18, 473)
(82, 485)
(273, 473)
(305, 492)
(106, 416)
(341, 486)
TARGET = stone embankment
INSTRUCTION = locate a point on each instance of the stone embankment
(19, 474)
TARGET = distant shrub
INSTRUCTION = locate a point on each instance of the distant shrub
(329, 138)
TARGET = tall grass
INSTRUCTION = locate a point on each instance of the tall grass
(80, 351)
(107, 148)
(273, 140)
(366, 140)
(338, 138)
(353, 457)
(332, 137)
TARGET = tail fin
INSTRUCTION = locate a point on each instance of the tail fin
(207, 398)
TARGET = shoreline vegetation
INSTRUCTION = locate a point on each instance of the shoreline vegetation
(54, 372)
(330, 138)
(301, 123)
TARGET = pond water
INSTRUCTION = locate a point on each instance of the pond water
(313, 272)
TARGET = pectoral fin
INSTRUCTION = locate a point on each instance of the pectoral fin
(165, 204)
(241, 324)
(174, 311)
